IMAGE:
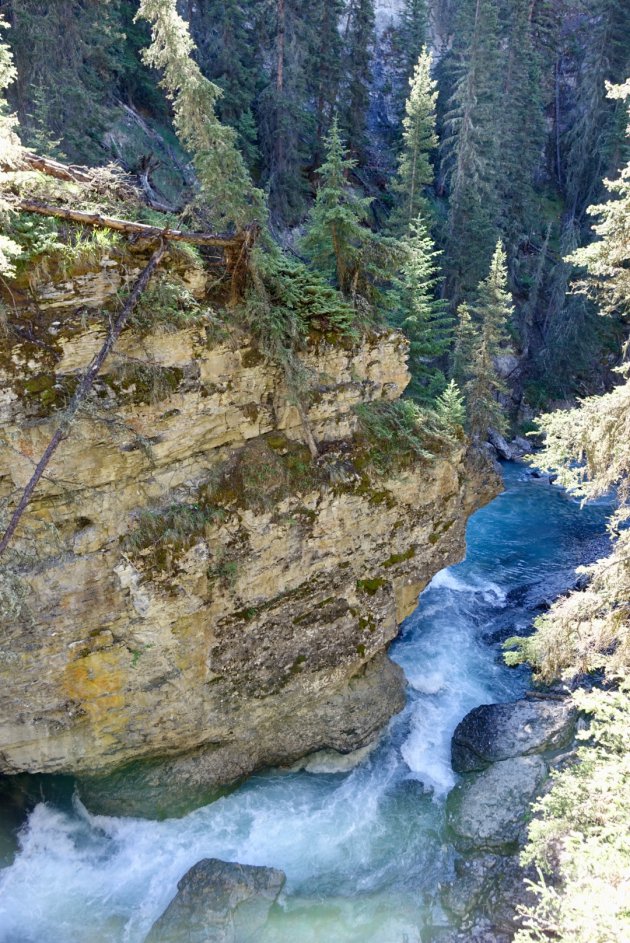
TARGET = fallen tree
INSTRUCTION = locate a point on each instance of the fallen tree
(81, 392)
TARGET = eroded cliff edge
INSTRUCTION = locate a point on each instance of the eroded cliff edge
(189, 583)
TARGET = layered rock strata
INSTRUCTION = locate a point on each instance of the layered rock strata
(188, 582)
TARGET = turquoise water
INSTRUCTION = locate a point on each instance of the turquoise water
(364, 851)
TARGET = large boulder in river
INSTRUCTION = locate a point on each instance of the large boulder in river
(495, 732)
(219, 902)
(487, 811)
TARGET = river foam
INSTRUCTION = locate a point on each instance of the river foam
(364, 851)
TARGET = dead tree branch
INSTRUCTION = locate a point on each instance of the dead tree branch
(81, 393)
(141, 230)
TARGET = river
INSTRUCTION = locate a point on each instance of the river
(364, 851)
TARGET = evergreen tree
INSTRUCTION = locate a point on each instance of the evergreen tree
(521, 129)
(471, 148)
(224, 182)
(359, 41)
(409, 38)
(338, 242)
(286, 120)
(336, 232)
(324, 63)
(451, 409)
(463, 348)
(424, 316)
(229, 54)
(415, 171)
(493, 309)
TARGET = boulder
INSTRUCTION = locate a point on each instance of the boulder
(521, 445)
(219, 902)
(499, 731)
(487, 811)
(501, 446)
(489, 889)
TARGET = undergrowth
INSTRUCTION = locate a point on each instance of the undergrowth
(398, 433)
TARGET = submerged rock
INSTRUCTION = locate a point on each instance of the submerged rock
(487, 811)
(218, 902)
(499, 731)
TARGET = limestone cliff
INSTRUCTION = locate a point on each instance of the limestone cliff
(188, 582)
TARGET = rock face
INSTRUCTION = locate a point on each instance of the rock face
(487, 811)
(504, 752)
(500, 731)
(188, 583)
(218, 902)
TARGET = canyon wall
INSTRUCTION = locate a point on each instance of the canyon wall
(189, 582)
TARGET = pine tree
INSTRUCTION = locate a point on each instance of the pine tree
(493, 308)
(471, 148)
(451, 409)
(359, 41)
(415, 171)
(521, 130)
(324, 63)
(409, 38)
(224, 182)
(424, 316)
(464, 346)
(9, 148)
(336, 233)
(229, 54)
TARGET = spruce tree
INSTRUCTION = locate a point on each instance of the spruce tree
(451, 409)
(415, 171)
(424, 316)
(338, 241)
(229, 54)
(324, 64)
(409, 38)
(470, 158)
(464, 346)
(359, 42)
(493, 308)
(225, 185)
(336, 231)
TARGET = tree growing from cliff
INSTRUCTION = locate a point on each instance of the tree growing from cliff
(493, 310)
(425, 318)
(415, 171)
(224, 182)
(336, 233)
(451, 409)
(465, 336)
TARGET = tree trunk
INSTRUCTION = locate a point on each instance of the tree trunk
(123, 225)
(81, 393)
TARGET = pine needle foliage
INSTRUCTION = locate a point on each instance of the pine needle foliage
(424, 317)
(415, 171)
(225, 185)
(450, 409)
(338, 242)
(493, 310)
(580, 836)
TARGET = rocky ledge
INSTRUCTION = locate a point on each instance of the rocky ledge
(192, 592)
